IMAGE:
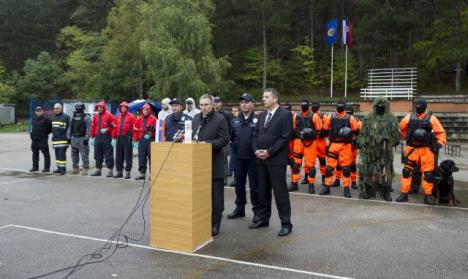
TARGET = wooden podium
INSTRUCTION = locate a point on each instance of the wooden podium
(180, 198)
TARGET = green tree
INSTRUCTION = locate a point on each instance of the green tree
(42, 78)
(177, 48)
(7, 90)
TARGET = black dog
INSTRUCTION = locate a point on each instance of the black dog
(443, 187)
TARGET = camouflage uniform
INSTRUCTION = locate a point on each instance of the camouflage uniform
(378, 136)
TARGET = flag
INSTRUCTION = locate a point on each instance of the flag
(159, 135)
(347, 37)
(332, 31)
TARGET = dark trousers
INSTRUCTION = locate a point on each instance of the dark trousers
(144, 154)
(42, 146)
(123, 151)
(232, 159)
(274, 178)
(217, 201)
(244, 168)
(103, 150)
(61, 158)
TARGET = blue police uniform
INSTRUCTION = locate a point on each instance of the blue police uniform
(243, 131)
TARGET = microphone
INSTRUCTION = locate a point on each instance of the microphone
(179, 136)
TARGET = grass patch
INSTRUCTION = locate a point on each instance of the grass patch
(14, 128)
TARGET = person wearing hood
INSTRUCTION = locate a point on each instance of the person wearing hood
(122, 141)
(166, 109)
(191, 108)
(306, 127)
(60, 138)
(211, 127)
(143, 135)
(100, 136)
(424, 137)
(80, 125)
(321, 142)
(378, 136)
(341, 128)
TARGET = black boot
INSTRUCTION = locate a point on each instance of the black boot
(119, 174)
(386, 194)
(305, 180)
(354, 185)
(325, 190)
(347, 193)
(127, 175)
(237, 213)
(323, 180)
(142, 176)
(57, 171)
(34, 170)
(110, 173)
(429, 199)
(311, 188)
(293, 187)
(336, 183)
(402, 198)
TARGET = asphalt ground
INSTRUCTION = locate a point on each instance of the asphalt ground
(49, 222)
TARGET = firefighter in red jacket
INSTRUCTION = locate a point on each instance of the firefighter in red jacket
(122, 141)
(143, 135)
(100, 136)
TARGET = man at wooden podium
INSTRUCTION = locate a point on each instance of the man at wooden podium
(211, 127)
(271, 149)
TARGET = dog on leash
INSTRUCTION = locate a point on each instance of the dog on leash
(444, 185)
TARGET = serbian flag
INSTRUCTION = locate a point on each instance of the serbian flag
(347, 37)
(332, 31)
(159, 135)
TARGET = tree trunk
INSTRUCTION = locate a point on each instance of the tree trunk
(264, 81)
(458, 69)
(312, 24)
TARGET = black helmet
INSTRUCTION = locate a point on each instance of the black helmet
(420, 135)
(315, 106)
(340, 106)
(80, 107)
(346, 133)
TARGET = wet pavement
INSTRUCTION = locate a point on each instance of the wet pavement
(48, 222)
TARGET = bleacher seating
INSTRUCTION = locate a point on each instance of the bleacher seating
(391, 83)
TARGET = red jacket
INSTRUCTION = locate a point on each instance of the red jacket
(106, 118)
(128, 121)
(138, 130)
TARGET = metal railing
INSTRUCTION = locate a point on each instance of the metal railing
(391, 83)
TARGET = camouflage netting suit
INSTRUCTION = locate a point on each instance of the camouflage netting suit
(379, 134)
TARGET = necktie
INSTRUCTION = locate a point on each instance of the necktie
(268, 119)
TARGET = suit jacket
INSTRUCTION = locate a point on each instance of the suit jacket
(274, 137)
(213, 130)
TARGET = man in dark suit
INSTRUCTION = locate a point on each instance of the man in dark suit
(211, 127)
(271, 149)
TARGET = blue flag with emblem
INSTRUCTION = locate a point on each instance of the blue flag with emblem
(332, 31)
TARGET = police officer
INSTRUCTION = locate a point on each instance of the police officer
(243, 130)
(60, 139)
(80, 124)
(41, 128)
(176, 121)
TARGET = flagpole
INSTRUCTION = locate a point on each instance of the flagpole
(331, 74)
(346, 72)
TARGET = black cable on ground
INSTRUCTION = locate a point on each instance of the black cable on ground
(120, 240)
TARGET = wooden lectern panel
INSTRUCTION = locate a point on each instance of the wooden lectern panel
(180, 198)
